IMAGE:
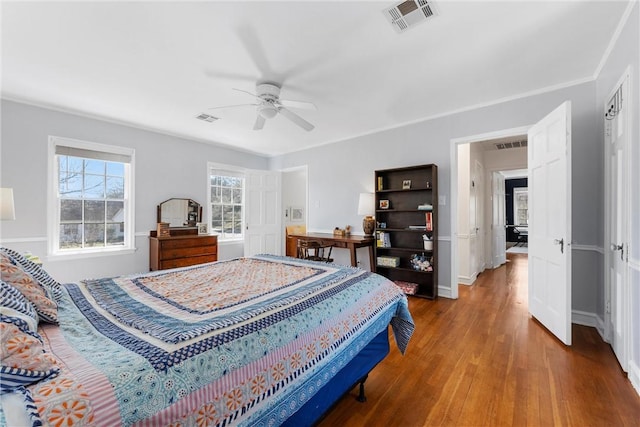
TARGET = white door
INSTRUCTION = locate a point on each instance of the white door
(617, 218)
(263, 229)
(498, 224)
(549, 162)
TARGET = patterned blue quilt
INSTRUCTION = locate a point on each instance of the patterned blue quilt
(246, 341)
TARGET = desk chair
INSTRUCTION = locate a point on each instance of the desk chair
(291, 245)
(314, 250)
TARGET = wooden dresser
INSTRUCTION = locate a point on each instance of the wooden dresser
(182, 248)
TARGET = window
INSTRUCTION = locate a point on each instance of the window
(226, 203)
(91, 197)
(520, 206)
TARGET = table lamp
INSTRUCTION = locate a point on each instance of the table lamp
(366, 207)
(7, 210)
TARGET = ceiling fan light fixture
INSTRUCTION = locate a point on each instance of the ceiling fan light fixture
(267, 110)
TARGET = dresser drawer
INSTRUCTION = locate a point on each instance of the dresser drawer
(172, 253)
(184, 262)
(188, 242)
(181, 251)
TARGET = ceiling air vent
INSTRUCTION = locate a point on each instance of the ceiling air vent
(408, 13)
(512, 144)
(207, 117)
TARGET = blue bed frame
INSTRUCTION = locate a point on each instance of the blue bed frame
(354, 373)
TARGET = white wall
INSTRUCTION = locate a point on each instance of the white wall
(165, 167)
(333, 194)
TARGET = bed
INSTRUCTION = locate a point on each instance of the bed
(258, 341)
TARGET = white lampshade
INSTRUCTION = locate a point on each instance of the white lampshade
(7, 211)
(366, 204)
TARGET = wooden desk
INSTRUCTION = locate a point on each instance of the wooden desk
(349, 242)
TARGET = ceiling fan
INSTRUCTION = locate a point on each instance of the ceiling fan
(270, 105)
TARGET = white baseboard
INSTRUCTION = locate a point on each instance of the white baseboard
(466, 280)
(444, 292)
(584, 318)
(634, 376)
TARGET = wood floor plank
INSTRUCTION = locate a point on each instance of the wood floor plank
(481, 360)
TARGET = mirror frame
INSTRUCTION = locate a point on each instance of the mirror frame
(193, 207)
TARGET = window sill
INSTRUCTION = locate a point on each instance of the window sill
(67, 256)
(230, 242)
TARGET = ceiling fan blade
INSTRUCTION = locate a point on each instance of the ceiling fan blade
(254, 46)
(303, 105)
(228, 75)
(232, 106)
(296, 119)
(247, 92)
(259, 123)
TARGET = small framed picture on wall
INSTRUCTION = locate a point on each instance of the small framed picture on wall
(297, 215)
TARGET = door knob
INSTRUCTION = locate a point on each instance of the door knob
(620, 248)
(561, 243)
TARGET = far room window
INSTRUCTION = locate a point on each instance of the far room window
(226, 202)
(521, 205)
(92, 198)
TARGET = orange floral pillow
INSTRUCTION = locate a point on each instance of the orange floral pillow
(24, 360)
(46, 308)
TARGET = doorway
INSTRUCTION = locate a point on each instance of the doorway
(549, 230)
(483, 167)
(294, 205)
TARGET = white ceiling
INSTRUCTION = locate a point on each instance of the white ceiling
(157, 65)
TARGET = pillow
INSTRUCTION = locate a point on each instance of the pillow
(36, 271)
(46, 308)
(13, 303)
(24, 360)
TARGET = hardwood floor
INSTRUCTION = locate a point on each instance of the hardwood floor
(482, 360)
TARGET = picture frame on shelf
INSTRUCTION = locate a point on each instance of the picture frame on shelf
(406, 184)
(384, 204)
(203, 228)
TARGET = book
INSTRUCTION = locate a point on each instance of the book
(383, 240)
(428, 217)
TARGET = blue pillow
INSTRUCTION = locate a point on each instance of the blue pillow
(12, 298)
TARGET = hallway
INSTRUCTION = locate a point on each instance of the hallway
(482, 360)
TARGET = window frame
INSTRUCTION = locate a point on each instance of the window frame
(235, 172)
(53, 199)
(516, 192)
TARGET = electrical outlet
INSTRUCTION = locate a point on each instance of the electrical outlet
(442, 200)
